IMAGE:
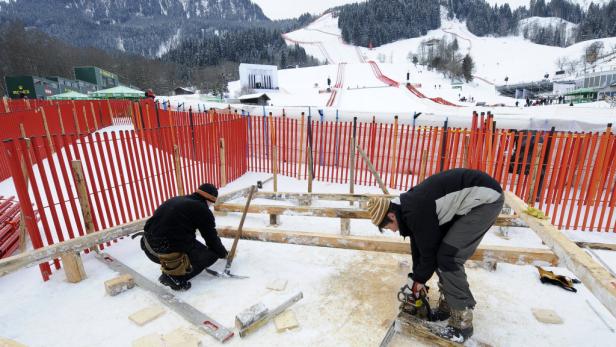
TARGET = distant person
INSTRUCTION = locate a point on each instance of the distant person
(517, 103)
(169, 237)
(408, 76)
(329, 81)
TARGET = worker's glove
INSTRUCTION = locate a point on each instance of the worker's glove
(413, 288)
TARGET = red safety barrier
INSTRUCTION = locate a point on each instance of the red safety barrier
(569, 176)
(127, 173)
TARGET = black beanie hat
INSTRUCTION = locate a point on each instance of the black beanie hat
(209, 188)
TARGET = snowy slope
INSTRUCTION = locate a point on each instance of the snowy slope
(519, 3)
(276, 9)
(530, 25)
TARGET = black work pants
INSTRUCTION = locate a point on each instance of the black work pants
(200, 257)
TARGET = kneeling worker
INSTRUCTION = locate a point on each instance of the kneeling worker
(445, 217)
(169, 237)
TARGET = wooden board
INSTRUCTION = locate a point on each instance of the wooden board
(286, 321)
(146, 315)
(546, 316)
(16, 262)
(331, 212)
(594, 276)
(503, 254)
(151, 340)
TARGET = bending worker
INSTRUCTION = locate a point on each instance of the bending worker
(169, 237)
(445, 217)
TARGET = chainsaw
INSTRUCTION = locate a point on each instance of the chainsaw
(419, 307)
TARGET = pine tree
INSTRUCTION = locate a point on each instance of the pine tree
(467, 68)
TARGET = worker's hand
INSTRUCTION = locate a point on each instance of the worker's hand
(417, 288)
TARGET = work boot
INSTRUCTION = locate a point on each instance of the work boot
(443, 311)
(174, 283)
(460, 325)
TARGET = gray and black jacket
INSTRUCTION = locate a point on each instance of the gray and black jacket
(428, 210)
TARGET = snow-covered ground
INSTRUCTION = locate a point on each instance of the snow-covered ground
(349, 296)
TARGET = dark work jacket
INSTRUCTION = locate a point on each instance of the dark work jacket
(172, 227)
(428, 210)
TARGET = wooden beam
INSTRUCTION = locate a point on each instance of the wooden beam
(510, 255)
(236, 194)
(595, 245)
(319, 196)
(10, 264)
(594, 276)
(331, 212)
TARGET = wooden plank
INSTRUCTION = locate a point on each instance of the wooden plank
(594, 276)
(238, 193)
(16, 262)
(510, 255)
(271, 314)
(319, 196)
(595, 245)
(331, 212)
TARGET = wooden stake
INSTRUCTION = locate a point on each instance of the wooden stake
(94, 116)
(533, 177)
(345, 226)
(75, 120)
(47, 133)
(394, 158)
(301, 146)
(178, 170)
(82, 194)
(594, 276)
(85, 118)
(310, 173)
(373, 170)
(465, 151)
(223, 163)
(61, 121)
(423, 166)
(73, 267)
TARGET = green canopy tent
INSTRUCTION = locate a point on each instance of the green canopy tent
(119, 92)
(581, 95)
(70, 95)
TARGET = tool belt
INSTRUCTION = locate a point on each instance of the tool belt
(173, 264)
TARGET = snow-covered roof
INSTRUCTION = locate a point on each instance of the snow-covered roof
(254, 96)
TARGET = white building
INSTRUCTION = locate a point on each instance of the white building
(255, 76)
(563, 87)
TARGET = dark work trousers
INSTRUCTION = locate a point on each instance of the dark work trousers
(200, 257)
(458, 246)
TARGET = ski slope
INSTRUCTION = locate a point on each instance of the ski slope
(374, 81)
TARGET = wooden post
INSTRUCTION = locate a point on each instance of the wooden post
(394, 163)
(223, 163)
(530, 201)
(73, 267)
(93, 116)
(82, 194)
(352, 159)
(178, 170)
(76, 120)
(85, 118)
(61, 121)
(310, 173)
(345, 226)
(301, 146)
(373, 170)
(23, 234)
(423, 165)
(47, 133)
